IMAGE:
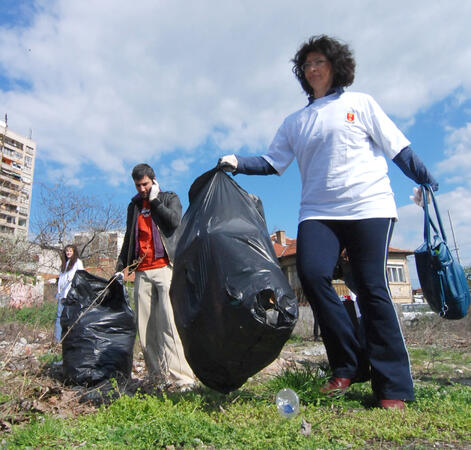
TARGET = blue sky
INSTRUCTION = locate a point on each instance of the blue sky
(106, 85)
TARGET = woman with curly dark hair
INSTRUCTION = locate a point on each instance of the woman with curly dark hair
(69, 265)
(339, 56)
(341, 141)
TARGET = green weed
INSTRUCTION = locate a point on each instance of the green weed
(42, 315)
(248, 418)
(49, 358)
(296, 339)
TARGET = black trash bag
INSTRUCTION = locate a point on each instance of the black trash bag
(98, 343)
(233, 306)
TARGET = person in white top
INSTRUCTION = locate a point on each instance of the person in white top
(70, 264)
(340, 141)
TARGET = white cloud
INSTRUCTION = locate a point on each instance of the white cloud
(113, 82)
(457, 164)
(181, 165)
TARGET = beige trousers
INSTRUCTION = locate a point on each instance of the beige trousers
(160, 341)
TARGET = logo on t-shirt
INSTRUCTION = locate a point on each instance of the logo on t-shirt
(145, 212)
(351, 117)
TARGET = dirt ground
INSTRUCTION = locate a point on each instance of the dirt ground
(32, 379)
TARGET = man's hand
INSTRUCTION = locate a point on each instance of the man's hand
(417, 198)
(154, 190)
(228, 163)
(118, 276)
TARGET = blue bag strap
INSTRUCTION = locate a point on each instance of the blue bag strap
(442, 296)
(428, 222)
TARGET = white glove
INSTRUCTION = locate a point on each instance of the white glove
(228, 163)
(417, 198)
(118, 275)
(154, 190)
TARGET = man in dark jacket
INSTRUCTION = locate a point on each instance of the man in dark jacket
(148, 248)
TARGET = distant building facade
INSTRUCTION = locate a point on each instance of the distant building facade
(397, 269)
(16, 180)
(99, 251)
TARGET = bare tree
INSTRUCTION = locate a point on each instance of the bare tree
(18, 262)
(66, 216)
(17, 255)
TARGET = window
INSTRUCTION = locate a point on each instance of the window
(7, 219)
(13, 142)
(8, 152)
(11, 153)
(396, 274)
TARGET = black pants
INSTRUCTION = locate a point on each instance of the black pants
(383, 349)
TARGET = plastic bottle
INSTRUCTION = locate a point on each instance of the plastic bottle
(287, 402)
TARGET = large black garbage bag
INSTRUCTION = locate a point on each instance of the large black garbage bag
(99, 341)
(233, 307)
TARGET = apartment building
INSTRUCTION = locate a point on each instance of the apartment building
(16, 180)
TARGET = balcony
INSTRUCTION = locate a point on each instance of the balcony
(5, 199)
(12, 143)
(8, 188)
(13, 166)
(6, 230)
(12, 154)
(10, 176)
(5, 222)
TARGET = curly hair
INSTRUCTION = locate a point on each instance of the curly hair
(73, 258)
(338, 54)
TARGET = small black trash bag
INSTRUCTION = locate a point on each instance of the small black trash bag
(98, 342)
(233, 307)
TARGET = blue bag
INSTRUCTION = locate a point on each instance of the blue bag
(442, 279)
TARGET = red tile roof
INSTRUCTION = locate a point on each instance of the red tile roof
(284, 250)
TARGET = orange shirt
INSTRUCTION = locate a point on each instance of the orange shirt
(146, 241)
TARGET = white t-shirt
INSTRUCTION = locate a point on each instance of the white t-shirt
(340, 143)
(65, 279)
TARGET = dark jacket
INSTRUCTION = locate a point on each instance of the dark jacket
(166, 212)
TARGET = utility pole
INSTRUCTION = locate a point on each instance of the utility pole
(454, 239)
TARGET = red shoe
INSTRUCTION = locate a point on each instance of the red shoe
(335, 386)
(391, 404)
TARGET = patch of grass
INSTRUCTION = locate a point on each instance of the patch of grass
(304, 382)
(42, 315)
(440, 362)
(436, 353)
(297, 339)
(248, 418)
(49, 358)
